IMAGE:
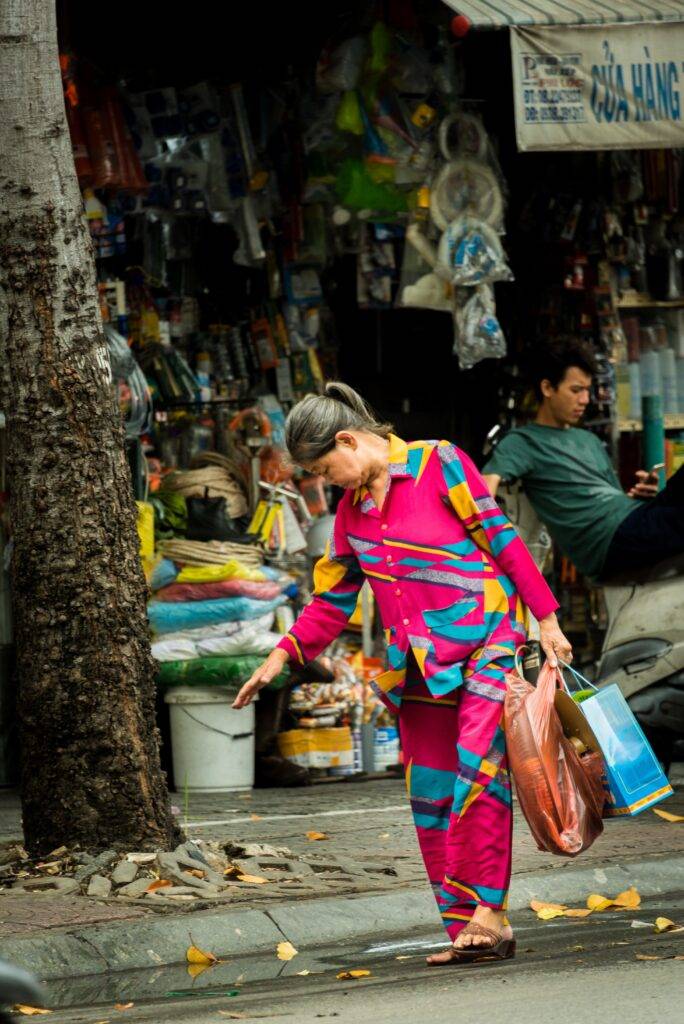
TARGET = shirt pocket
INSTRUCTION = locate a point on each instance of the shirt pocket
(455, 626)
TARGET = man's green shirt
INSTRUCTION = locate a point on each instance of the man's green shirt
(568, 477)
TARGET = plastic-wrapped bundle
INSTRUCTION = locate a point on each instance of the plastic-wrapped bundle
(560, 794)
(232, 570)
(163, 574)
(261, 624)
(174, 650)
(470, 252)
(166, 617)
(239, 643)
(265, 591)
(477, 333)
(230, 672)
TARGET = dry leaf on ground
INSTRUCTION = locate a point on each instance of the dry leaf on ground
(646, 956)
(194, 955)
(663, 924)
(303, 974)
(577, 912)
(254, 879)
(286, 951)
(29, 1011)
(347, 975)
(667, 815)
(159, 883)
(313, 836)
(627, 900)
(548, 913)
(598, 903)
(255, 817)
(124, 1006)
(194, 970)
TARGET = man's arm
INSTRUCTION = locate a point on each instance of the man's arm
(492, 480)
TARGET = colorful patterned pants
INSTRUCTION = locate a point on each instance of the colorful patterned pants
(459, 787)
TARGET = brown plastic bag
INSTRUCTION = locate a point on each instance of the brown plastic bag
(560, 793)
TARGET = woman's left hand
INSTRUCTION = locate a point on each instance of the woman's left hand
(554, 642)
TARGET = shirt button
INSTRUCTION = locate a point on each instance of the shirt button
(406, 621)
(383, 526)
(398, 593)
(388, 560)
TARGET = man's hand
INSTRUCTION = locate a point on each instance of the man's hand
(267, 671)
(554, 642)
(646, 485)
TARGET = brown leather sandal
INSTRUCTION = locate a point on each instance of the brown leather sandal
(497, 948)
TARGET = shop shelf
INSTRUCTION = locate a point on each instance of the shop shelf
(671, 423)
(646, 302)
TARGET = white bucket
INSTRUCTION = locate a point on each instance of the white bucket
(212, 745)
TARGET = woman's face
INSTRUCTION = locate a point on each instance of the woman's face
(349, 464)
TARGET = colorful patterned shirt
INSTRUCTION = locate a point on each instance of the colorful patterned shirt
(449, 573)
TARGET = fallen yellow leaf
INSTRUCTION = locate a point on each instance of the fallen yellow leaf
(548, 913)
(347, 975)
(255, 817)
(539, 905)
(159, 883)
(303, 974)
(628, 900)
(578, 912)
(254, 879)
(194, 970)
(123, 1006)
(286, 951)
(596, 902)
(198, 956)
(29, 1011)
(645, 956)
(663, 924)
(667, 815)
(316, 835)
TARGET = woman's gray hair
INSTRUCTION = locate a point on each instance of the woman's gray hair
(314, 422)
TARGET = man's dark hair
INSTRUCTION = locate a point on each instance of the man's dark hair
(552, 361)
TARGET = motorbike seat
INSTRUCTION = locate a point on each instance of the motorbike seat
(670, 568)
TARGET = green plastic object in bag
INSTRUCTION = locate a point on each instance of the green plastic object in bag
(348, 117)
(231, 671)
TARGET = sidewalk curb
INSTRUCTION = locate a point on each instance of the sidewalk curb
(162, 941)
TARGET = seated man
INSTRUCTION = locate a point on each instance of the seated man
(567, 475)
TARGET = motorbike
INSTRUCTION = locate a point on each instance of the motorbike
(17, 986)
(643, 646)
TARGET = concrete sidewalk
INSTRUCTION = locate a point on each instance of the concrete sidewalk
(366, 880)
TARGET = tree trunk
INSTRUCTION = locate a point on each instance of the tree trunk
(91, 773)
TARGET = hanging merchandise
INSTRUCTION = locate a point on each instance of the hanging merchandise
(419, 285)
(470, 251)
(477, 333)
(466, 187)
(134, 394)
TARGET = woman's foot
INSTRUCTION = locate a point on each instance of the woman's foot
(487, 931)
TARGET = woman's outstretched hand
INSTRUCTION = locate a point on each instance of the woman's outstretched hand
(554, 642)
(267, 671)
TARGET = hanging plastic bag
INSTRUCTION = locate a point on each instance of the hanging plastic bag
(560, 792)
(470, 252)
(477, 332)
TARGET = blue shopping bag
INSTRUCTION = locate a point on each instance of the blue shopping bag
(634, 776)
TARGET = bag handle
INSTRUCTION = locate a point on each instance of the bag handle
(578, 676)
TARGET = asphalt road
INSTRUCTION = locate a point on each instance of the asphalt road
(579, 971)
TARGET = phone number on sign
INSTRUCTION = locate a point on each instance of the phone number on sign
(543, 115)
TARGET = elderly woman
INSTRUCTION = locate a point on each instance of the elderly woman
(451, 579)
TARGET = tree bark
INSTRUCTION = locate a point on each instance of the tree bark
(91, 773)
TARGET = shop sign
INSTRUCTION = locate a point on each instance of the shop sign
(599, 86)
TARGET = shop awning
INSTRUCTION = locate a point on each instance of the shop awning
(504, 13)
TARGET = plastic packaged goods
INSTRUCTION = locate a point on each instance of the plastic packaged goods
(223, 588)
(167, 617)
(262, 623)
(477, 333)
(232, 570)
(560, 792)
(229, 671)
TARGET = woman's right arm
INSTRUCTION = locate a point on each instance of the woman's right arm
(338, 577)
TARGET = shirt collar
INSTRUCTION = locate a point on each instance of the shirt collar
(397, 465)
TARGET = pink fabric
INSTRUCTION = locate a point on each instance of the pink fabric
(262, 590)
(449, 573)
(459, 788)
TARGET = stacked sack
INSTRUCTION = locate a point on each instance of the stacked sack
(213, 623)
